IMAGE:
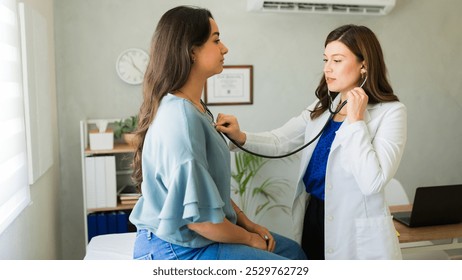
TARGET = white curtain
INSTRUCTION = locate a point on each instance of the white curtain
(14, 188)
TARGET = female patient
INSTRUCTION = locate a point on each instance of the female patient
(339, 207)
(181, 163)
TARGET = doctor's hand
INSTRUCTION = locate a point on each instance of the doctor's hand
(229, 125)
(357, 104)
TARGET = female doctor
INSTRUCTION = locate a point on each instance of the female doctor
(339, 209)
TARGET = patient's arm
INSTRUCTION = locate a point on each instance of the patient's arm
(246, 223)
(227, 232)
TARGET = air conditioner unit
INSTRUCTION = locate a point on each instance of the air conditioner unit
(353, 7)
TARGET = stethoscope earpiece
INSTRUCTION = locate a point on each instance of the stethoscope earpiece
(365, 79)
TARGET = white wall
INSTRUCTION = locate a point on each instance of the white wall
(421, 41)
(35, 233)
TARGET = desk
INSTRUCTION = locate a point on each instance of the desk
(410, 238)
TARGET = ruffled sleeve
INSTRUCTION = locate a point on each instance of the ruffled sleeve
(192, 197)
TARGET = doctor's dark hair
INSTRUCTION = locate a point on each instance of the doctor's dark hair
(364, 44)
(170, 61)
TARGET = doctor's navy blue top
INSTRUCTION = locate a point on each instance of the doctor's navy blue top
(186, 175)
(315, 175)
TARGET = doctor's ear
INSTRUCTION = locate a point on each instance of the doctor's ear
(363, 70)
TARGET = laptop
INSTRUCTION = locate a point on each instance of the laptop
(433, 205)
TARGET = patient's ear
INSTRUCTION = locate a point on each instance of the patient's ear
(193, 54)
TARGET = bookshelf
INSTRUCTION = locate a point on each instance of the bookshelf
(101, 186)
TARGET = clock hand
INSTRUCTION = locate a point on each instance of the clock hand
(134, 64)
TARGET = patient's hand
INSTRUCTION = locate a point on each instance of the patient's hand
(229, 125)
(264, 233)
(257, 242)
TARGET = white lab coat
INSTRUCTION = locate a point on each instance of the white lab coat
(364, 156)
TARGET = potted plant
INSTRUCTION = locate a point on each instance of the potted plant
(124, 129)
(256, 197)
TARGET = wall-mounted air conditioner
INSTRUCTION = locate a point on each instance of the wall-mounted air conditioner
(353, 7)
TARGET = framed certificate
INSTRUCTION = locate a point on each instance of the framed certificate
(233, 86)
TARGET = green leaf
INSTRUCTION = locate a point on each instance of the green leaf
(259, 197)
(125, 126)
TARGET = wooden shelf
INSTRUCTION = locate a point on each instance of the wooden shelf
(125, 172)
(119, 148)
(118, 207)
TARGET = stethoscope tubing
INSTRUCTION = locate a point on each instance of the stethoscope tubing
(333, 113)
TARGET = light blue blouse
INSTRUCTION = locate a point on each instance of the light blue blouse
(186, 175)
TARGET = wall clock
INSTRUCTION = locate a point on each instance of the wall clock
(131, 65)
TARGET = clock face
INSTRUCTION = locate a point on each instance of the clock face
(131, 65)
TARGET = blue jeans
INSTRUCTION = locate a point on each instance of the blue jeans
(150, 247)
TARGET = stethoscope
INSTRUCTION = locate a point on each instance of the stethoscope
(332, 114)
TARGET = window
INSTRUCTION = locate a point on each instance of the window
(14, 188)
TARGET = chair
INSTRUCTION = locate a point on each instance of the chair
(396, 195)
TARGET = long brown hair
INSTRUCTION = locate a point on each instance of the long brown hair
(178, 31)
(366, 47)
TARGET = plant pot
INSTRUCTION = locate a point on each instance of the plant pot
(129, 138)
